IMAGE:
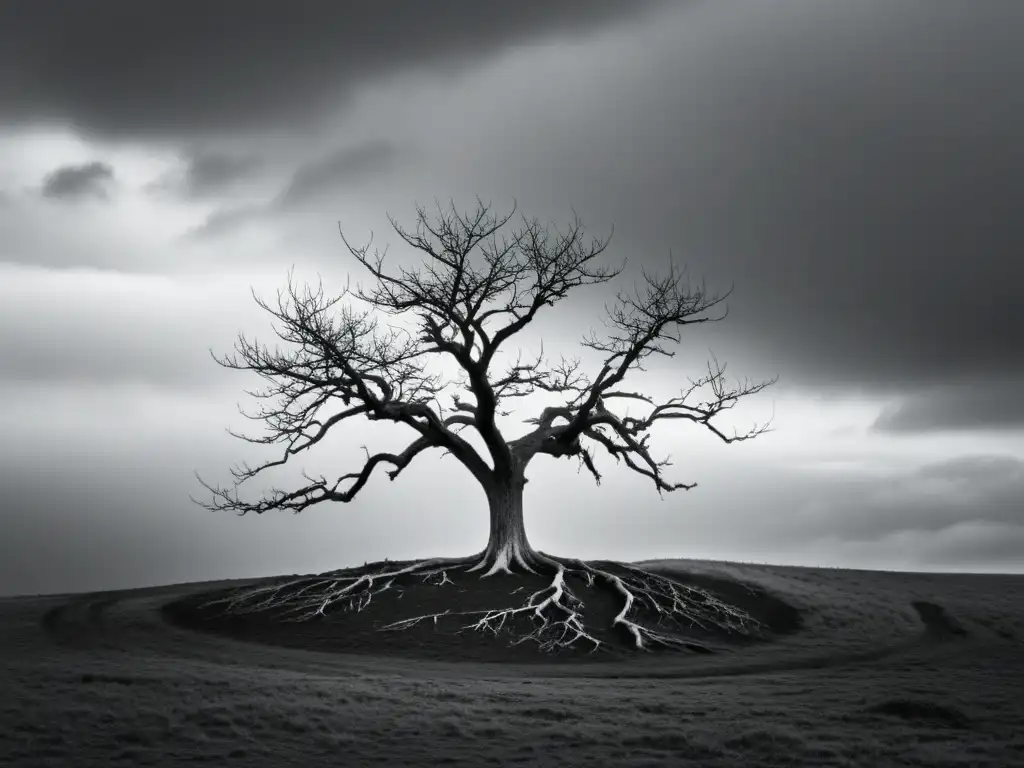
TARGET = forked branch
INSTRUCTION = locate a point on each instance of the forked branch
(644, 323)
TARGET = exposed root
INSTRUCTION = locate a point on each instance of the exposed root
(313, 595)
(656, 611)
(549, 635)
(674, 603)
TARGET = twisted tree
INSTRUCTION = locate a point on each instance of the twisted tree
(477, 288)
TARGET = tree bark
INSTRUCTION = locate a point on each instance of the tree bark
(507, 545)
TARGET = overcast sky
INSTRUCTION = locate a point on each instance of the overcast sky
(854, 167)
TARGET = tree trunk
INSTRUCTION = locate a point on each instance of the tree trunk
(507, 544)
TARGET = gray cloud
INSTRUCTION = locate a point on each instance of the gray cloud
(854, 179)
(989, 404)
(208, 173)
(985, 470)
(227, 220)
(74, 182)
(345, 166)
(964, 547)
(978, 547)
(189, 67)
(310, 182)
(854, 168)
(978, 489)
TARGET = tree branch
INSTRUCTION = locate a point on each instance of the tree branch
(478, 286)
(471, 279)
(317, 490)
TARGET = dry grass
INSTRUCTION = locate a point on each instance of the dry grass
(103, 680)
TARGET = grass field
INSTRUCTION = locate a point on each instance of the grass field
(884, 669)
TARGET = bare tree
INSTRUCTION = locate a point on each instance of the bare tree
(478, 287)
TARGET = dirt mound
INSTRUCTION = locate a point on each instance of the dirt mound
(451, 637)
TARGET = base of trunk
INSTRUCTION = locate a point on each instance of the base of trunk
(507, 545)
(512, 554)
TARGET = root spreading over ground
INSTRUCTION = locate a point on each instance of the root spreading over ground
(560, 606)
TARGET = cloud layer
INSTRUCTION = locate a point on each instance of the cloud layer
(190, 68)
(853, 168)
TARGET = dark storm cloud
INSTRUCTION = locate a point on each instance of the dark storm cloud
(74, 182)
(191, 66)
(856, 169)
(989, 405)
(888, 227)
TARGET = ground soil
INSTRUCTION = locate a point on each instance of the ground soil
(343, 630)
(885, 669)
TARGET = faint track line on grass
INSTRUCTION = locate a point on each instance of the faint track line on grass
(831, 661)
(88, 610)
